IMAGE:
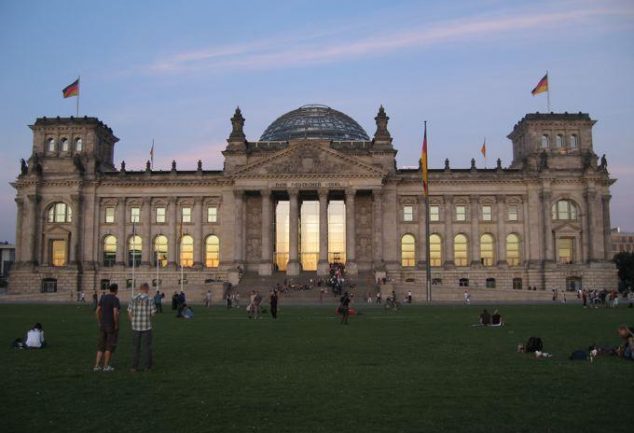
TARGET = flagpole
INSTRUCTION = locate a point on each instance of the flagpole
(78, 92)
(548, 92)
(485, 152)
(133, 257)
(427, 246)
(158, 284)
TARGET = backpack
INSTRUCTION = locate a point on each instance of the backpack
(534, 344)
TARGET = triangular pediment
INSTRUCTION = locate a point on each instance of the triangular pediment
(309, 159)
(567, 228)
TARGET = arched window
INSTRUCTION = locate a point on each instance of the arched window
(187, 251)
(50, 145)
(212, 251)
(487, 252)
(460, 248)
(79, 145)
(65, 145)
(573, 141)
(545, 141)
(60, 213)
(109, 250)
(564, 210)
(513, 250)
(408, 250)
(435, 250)
(160, 250)
(135, 246)
(559, 140)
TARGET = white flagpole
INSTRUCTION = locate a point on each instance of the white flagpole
(78, 92)
(548, 91)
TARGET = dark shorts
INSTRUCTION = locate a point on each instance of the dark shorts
(107, 340)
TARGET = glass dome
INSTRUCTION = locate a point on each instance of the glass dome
(315, 122)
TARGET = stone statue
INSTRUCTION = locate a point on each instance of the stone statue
(473, 167)
(23, 167)
(122, 166)
(499, 164)
(148, 166)
(237, 124)
(200, 165)
(446, 163)
(604, 162)
(173, 165)
(382, 134)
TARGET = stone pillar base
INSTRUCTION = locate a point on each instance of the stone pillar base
(323, 268)
(265, 269)
(293, 268)
(351, 268)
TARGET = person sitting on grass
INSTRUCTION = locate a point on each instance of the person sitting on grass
(627, 350)
(485, 318)
(35, 337)
(187, 312)
(496, 319)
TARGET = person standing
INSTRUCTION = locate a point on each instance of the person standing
(344, 308)
(273, 300)
(107, 313)
(409, 296)
(95, 300)
(140, 312)
(158, 301)
(208, 299)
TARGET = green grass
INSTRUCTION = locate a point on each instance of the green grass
(423, 369)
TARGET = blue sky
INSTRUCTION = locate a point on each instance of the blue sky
(175, 71)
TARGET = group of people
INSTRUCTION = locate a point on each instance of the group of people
(34, 338)
(595, 298)
(140, 312)
(488, 319)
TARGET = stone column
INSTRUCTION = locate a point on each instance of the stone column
(199, 242)
(351, 265)
(266, 264)
(75, 231)
(173, 235)
(33, 214)
(607, 237)
(474, 217)
(421, 245)
(547, 226)
(501, 230)
(323, 267)
(293, 267)
(238, 227)
(589, 197)
(145, 230)
(447, 250)
(122, 241)
(19, 240)
(377, 202)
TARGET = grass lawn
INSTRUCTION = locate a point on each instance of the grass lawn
(423, 369)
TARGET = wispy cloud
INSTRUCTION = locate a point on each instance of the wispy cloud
(279, 52)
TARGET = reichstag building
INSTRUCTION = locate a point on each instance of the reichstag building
(315, 189)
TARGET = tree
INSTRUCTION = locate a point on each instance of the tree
(625, 264)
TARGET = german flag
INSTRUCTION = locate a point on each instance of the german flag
(423, 164)
(72, 89)
(542, 86)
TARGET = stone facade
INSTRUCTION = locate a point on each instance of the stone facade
(542, 222)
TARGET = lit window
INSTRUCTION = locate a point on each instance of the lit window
(513, 250)
(109, 250)
(564, 210)
(573, 141)
(65, 145)
(212, 252)
(513, 213)
(559, 140)
(58, 253)
(408, 213)
(212, 214)
(186, 213)
(187, 252)
(79, 145)
(460, 248)
(135, 246)
(461, 213)
(50, 145)
(435, 250)
(408, 250)
(110, 215)
(487, 254)
(545, 141)
(160, 215)
(486, 213)
(59, 213)
(434, 213)
(565, 250)
(135, 214)
(160, 251)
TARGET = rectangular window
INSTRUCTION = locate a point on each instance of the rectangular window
(434, 213)
(461, 213)
(517, 283)
(212, 214)
(58, 253)
(565, 250)
(160, 215)
(135, 214)
(513, 213)
(486, 213)
(110, 215)
(186, 214)
(408, 213)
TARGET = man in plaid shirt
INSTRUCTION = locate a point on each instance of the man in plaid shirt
(140, 312)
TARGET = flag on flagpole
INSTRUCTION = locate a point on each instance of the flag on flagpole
(483, 149)
(423, 163)
(72, 89)
(152, 155)
(542, 86)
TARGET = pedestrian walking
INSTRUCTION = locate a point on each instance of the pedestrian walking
(107, 313)
(140, 312)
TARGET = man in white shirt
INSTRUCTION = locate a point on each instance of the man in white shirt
(35, 337)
